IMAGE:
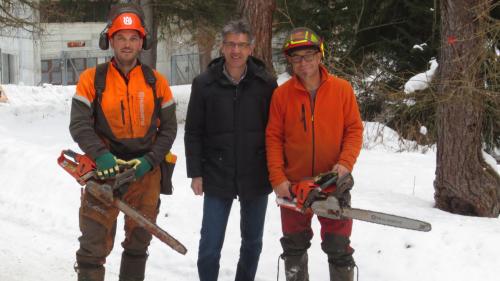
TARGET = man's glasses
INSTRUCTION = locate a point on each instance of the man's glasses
(306, 57)
(233, 45)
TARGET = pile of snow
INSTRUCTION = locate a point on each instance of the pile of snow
(421, 81)
(379, 136)
(39, 210)
(34, 103)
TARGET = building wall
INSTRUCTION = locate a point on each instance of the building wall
(20, 52)
(54, 45)
(58, 37)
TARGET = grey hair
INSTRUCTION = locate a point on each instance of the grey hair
(239, 27)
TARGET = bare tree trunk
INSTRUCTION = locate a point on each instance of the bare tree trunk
(464, 183)
(259, 13)
(149, 56)
(205, 39)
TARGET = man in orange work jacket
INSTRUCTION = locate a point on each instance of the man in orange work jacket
(314, 127)
(130, 120)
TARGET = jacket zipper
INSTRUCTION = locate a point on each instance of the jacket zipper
(304, 117)
(313, 103)
(235, 124)
(122, 107)
(130, 111)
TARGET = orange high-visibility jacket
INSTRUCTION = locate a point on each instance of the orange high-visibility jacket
(303, 141)
(131, 120)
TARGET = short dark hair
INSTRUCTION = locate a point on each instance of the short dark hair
(238, 27)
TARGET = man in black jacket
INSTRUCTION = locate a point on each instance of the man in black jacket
(225, 149)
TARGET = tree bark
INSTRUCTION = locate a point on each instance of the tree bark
(149, 56)
(205, 39)
(259, 13)
(465, 183)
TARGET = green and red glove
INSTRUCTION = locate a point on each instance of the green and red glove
(106, 166)
(141, 166)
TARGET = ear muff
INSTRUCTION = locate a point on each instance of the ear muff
(103, 39)
(147, 41)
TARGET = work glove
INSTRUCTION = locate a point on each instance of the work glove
(106, 166)
(344, 186)
(141, 166)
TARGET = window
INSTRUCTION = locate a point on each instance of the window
(75, 66)
(51, 71)
(65, 72)
(7, 69)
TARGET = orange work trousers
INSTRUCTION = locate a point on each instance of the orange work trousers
(98, 221)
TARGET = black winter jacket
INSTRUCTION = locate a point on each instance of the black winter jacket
(225, 131)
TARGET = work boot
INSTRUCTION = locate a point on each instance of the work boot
(132, 267)
(341, 273)
(296, 268)
(89, 272)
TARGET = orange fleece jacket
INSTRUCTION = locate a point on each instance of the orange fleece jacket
(302, 142)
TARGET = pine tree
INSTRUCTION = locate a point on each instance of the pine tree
(465, 184)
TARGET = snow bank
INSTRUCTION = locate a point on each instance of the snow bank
(379, 136)
(421, 81)
(33, 103)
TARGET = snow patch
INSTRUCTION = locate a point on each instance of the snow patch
(491, 161)
(283, 77)
(421, 81)
(423, 130)
(420, 47)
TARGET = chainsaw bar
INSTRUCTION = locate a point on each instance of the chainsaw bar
(103, 192)
(330, 208)
(108, 192)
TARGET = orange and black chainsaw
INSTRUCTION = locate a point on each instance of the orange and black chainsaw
(327, 195)
(83, 169)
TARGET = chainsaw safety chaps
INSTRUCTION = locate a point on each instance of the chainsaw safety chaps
(338, 250)
(98, 221)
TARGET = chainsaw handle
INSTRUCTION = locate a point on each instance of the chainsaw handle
(71, 153)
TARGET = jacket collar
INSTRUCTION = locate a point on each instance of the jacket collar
(126, 77)
(255, 67)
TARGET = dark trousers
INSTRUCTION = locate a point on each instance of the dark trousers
(215, 216)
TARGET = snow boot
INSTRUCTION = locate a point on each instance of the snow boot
(132, 267)
(295, 247)
(296, 268)
(340, 261)
(341, 273)
(89, 272)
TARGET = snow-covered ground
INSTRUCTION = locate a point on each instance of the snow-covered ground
(39, 209)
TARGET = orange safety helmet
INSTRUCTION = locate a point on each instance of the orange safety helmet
(301, 38)
(127, 21)
(125, 16)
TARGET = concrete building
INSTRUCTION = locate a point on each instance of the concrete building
(63, 50)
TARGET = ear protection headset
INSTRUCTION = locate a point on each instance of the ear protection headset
(113, 14)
